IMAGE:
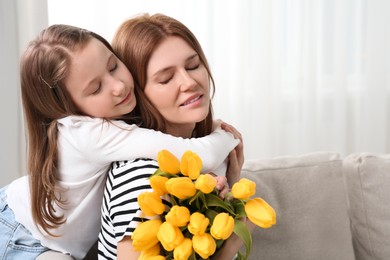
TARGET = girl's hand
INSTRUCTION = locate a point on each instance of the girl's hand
(236, 156)
(216, 124)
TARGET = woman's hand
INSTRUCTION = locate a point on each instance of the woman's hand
(233, 244)
(236, 156)
(222, 186)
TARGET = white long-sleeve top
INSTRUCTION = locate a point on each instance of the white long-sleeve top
(87, 147)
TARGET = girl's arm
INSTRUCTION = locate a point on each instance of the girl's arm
(104, 142)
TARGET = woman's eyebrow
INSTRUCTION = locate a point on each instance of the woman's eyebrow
(195, 55)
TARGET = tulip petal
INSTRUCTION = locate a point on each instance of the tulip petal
(168, 162)
(145, 235)
(260, 213)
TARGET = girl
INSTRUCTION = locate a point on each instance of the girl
(174, 93)
(76, 97)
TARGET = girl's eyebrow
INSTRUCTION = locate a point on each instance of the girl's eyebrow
(168, 68)
(93, 80)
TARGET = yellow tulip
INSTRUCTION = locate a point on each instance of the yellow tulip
(181, 187)
(205, 183)
(167, 162)
(184, 250)
(190, 165)
(169, 236)
(155, 257)
(204, 245)
(158, 184)
(145, 235)
(223, 226)
(198, 223)
(150, 252)
(178, 216)
(243, 189)
(260, 213)
(151, 203)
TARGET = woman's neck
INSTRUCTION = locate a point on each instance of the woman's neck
(182, 130)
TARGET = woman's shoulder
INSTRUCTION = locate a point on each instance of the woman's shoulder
(137, 165)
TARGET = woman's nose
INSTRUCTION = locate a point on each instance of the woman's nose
(187, 82)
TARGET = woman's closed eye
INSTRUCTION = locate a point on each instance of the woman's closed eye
(165, 79)
(193, 67)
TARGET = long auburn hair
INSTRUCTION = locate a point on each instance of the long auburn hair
(44, 66)
(134, 42)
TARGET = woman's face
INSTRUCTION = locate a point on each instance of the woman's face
(178, 84)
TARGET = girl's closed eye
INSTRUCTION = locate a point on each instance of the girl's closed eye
(114, 67)
(97, 90)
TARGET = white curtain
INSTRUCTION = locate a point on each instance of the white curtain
(294, 76)
(20, 20)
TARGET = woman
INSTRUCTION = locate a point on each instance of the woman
(172, 79)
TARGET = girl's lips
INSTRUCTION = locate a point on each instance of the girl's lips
(125, 99)
(191, 100)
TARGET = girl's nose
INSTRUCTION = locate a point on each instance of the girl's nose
(118, 88)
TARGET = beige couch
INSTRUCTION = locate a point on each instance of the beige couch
(328, 207)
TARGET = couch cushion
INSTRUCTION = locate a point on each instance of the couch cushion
(309, 197)
(53, 255)
(368, 182)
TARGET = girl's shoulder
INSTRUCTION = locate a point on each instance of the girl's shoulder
(78, 120)
(91, 122)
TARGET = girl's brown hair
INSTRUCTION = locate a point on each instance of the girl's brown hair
(43, 68)
(134, 42)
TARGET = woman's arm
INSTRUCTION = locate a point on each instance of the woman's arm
(232, 245)
(120, 209)
(125, 250)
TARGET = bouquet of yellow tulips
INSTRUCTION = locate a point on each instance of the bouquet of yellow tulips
(199, 221)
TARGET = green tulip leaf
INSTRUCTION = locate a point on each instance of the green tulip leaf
(199, 194)
(210, 214)
(215, 201)
(239, 208)
(192, 256)
(242, 231)
(159, 172)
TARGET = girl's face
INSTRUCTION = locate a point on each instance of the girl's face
(99, 83)
(178, 84)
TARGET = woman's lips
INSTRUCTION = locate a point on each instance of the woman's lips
(191, 100)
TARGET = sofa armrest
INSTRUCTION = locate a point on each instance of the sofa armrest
(368, 183)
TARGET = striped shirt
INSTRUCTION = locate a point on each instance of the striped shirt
(120, 210)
